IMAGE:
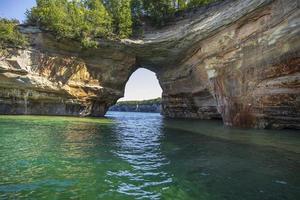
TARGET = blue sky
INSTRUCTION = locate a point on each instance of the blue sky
(143, 83)
(15, 8)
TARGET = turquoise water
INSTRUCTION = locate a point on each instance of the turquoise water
(143, 156)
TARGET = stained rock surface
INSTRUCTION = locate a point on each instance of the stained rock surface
(236, 60)
(58, 78)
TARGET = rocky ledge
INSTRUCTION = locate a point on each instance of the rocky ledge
(237, 60)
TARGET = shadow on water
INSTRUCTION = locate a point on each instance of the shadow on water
(221, 169)
(283, 139)
(143, 156)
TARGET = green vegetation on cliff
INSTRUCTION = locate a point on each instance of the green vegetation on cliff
(78, 20)
(88, 20)
(151, 105)
(10, 35)
(159, 12)
(142, 102)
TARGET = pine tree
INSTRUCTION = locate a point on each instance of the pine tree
(100, 21)
(125, 21)
(121, 14)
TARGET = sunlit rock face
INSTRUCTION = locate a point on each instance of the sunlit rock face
(235, 60)
(50, 79)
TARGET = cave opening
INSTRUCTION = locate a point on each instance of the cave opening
(142, 88)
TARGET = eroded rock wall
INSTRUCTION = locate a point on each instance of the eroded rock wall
(237, 60)
(248, 71)
(47, 80)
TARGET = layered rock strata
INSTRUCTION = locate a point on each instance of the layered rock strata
(236, 60)
(50, 79)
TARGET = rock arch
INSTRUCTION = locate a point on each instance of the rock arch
(238, 60)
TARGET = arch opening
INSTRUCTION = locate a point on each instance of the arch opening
(142, 93)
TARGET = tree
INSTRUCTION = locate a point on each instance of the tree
(121, 14)
(10, 35)
(182, 4)
(51, 15)
(88, 20)
(98, 18)
(83, 20)
(125, 20)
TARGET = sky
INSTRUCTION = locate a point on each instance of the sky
(15, 8)
(142, 84)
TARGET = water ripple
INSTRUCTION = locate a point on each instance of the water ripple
(138, 156)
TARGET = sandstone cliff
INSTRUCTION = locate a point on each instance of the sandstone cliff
(236, 60)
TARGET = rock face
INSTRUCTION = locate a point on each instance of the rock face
(236, 60)
(50, 79)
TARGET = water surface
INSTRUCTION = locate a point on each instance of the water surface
(143, 156)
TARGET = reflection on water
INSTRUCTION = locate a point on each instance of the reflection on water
(143, 156)
(138, 142)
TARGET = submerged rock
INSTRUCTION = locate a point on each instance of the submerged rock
(236, 60)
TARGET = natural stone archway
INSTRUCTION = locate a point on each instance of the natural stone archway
(238, 60)
(142, 85)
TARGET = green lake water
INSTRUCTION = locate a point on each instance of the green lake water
(144, 156)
